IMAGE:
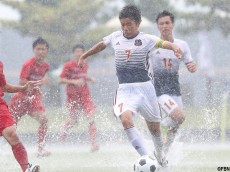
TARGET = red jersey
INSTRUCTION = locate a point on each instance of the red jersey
(2, 81)
(33, 71)
(72, 71)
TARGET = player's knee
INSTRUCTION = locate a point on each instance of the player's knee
(177, 116)
(14, 136)
(44, 120)
(10, 135)
(154, 128)
(126, 121)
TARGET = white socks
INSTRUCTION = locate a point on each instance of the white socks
(136, 140)
(158, 144)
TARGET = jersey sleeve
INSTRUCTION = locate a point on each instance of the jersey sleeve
(108, 39)
(155, 42)
(2, 76)
(187, 57)
(25, 71)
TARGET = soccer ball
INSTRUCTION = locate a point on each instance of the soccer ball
(146, 164)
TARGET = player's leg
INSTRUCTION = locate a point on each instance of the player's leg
(41, 117)
(172, 121)
(18, 109)
(8, 131)
(68, 125)
(150, 110)
(18, 149)
(152, 118)
(89, 111)
(93, 134)
(73, 108)
(125, 104)
(132, 133)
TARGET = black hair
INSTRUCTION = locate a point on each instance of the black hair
(164, 14)
(40, 40)
(131, 11)
(78, 46)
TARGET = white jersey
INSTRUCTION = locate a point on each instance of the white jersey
(131, 55)
(165, 67)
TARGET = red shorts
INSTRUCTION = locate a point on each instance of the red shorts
(78, 102)
(22, 104)
(6, 119)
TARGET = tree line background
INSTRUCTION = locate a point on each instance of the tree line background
(63, 23)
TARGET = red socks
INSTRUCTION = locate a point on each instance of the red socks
(41, 134)
(92, 133)
(20, 155)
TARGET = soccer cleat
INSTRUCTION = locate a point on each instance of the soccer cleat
(43, 153)
(33, 168)
(164, 166)
(163, 163)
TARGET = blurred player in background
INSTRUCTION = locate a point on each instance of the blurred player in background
(30, 103)
(166, 78)
(136, 92)
(78, 95)
(8, 126)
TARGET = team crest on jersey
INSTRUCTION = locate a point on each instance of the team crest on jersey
(138, 42)
(158, 52)
(118, 43)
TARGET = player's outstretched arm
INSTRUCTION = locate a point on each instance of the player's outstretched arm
(95, 49)
(18, 88)
(174, 47)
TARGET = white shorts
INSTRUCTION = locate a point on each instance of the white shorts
(137, 97)
(169, 103)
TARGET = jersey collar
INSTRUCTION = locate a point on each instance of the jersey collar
(132, 36)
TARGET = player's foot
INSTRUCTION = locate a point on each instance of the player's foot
(33, 168)
(163, 163)
(164, 166)
(94, 148)
(63, 135)
(43, 152)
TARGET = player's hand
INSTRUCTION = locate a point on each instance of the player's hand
(32, 84)
(44, 80)
(80, 62)
(191, 66)
(93, 80)
(177, 51)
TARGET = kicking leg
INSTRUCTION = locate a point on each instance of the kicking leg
(154, 128)
(132, 133)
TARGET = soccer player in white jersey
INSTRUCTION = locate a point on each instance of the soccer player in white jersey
(166, 79)
(136, 92)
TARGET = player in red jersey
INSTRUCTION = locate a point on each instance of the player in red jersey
(78, 95)
(7, 124)
(30, 102)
